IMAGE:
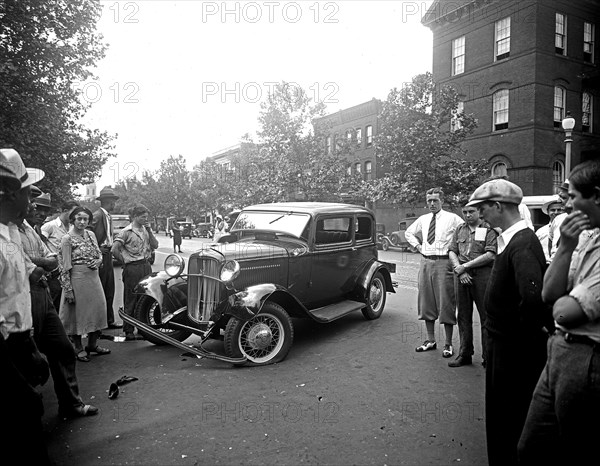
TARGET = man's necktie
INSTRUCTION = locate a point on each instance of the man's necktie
(431, 233)
(109, 233)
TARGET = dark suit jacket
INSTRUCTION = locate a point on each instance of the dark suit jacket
(98, 226)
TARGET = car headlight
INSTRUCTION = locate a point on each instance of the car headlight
(230, 270)
(174, 265)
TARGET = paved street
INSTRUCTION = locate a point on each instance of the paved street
(349, 392)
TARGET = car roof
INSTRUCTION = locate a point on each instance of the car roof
(309, 207)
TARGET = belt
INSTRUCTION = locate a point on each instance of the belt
(433, 258)
(138, 262)
(571, 338)
(54, 274)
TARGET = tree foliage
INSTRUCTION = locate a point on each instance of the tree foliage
(46, 47)
(417, 147)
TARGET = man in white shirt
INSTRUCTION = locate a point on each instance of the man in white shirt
(21, 365)
(436, 275)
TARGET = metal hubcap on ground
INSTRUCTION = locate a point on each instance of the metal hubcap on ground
(262, 338)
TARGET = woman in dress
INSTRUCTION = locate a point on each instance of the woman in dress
(82, 307)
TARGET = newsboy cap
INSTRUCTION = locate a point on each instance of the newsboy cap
(14, 173)
(107, 193)
(498, 191)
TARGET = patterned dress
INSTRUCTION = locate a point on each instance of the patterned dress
(88, 312)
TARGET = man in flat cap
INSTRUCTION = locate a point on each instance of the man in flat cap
(515, 320)
(102, 227)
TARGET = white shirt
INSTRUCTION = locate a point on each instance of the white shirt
(542, 234)
(15, 267)
(445, 224)
(554, 233)
(54, 230)
(508, 234)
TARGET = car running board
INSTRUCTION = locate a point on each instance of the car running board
(178, 344)
(335, 311)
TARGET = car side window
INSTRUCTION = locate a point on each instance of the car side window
(364, 228)
(333, 230)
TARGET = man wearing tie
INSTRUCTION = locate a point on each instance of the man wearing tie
(102, 228)
(436, 276)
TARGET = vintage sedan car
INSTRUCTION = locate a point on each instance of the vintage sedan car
(278, 262)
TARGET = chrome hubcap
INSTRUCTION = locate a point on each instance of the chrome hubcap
(260, 336)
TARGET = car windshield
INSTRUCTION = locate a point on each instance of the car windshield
(287, 222)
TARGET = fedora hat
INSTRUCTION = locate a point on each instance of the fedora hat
(43, 201)
(107, 193)
(13, 172)
(554, 200)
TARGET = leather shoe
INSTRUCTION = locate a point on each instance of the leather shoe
(113, 325)
(82, 410)
(461, 361)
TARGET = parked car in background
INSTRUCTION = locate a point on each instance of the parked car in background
(203, 230)
(118, 221)
(281, 261)
(397, 239)
(187, 229)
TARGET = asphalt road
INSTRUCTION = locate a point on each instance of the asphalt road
(349, 392)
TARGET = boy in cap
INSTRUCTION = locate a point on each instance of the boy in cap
(551, 208)
(515, 318)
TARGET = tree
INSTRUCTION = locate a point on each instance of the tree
(46, 47)
(419, 150)
(173, 188)
(290, 161)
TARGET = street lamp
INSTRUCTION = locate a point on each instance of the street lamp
(568, 124)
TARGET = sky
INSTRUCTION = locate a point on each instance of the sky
(187, 77)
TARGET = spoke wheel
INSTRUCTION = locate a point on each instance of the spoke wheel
(264, 339)
(147, 311)
(376, 297)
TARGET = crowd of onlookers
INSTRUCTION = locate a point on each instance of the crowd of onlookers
(57, 287)
(537, 295)
(538, 299)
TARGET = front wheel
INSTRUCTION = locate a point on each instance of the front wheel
(385, 244)
(147, 311)
(376, 296)
(264, 339)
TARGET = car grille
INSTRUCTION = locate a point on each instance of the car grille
(204, 293)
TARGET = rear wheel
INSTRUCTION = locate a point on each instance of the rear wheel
(264, 339)
(376, 297)
(147, 311)
(394, 239)
(385, 244)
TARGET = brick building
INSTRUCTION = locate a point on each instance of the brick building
(519, 66)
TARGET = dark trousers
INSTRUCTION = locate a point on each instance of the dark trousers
(466, 295)
(51, 339)
(514, 365)
(562, 423)
(132, 275)
(55, 291)
(107, 278)
(21, 420)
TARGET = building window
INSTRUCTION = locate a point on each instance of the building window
(588, 42)
(499, 169)
(500, 103)
(357, 168)
(559, 106)
(328, 144)
(369, 131)
(458, 56)
(455, 123)
(368, 171)
(586, 112)
(558, 174)
(349, 136)
(560, 34)
(359, 137)
(502, 38)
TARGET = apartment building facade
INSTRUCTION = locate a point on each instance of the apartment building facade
(519, 66)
